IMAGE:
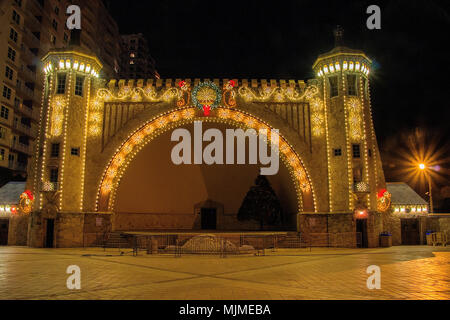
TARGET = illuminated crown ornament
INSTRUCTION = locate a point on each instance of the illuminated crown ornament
(206, 96)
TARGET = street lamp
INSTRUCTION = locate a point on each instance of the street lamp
(424, 168)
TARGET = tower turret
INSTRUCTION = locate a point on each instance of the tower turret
(354, 167)
(71, 78)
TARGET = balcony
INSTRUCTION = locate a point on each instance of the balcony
(29, 131)
(27, 93)
(31, 40)
(20, 147)
(32, 113)
(17, 166)
(28, 73)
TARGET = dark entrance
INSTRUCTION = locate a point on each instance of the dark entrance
(50, 233)
(410, 232)
(4, 225)
(361, 233)
(209, 219)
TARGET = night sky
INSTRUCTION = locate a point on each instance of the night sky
(282, 39)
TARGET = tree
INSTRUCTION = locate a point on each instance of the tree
(261, 204)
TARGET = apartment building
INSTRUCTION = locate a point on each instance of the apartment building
(137, 63)
(28, 30)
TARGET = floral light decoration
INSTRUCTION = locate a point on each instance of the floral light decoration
(355, 110)
(229, 95)
(384, 200)
(186, 94)
(206, 96)
(26, 202)
(317, 117)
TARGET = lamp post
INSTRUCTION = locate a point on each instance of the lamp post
(424, 168)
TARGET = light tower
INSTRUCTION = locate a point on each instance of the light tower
(354, 169)
(71, 77)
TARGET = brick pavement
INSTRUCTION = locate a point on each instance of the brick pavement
(323, 274)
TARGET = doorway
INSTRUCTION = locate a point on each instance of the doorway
(4, 226)
(410, 232)
(361, 233)
(209, 218)
(50, 233)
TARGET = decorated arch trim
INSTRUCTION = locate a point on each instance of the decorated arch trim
(136, 141)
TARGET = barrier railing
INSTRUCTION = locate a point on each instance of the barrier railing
(221, 244)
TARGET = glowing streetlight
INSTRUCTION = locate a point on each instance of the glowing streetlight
(423, 167)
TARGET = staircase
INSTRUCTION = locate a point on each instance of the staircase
(116, 240)
(292, 241)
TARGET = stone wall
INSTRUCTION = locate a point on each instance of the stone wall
(439, 224)
(393, 225)
(18, 229)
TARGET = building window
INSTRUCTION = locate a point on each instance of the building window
(13, 35)
(66, 37)
(337, 152)
(6, 92)
(2, 133)
(61, 84)
(4, 113)
(11, 54)
(55, 25)
(357, 175)
(356, 151)
(57, 10)
(75, 152)
(370, 153)
(9, 73)
(19, 2)
(334, 86)
(2, 154)
(79, 86)
(53, 39)
(54, 175)
(16, 17)
(55, 150)
(351, 83)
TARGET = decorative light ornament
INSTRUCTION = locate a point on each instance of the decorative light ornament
(75, 65)
(88, 68)
(82, 67)
(384, 200)
(206, 96)
(61, 64)
(26, 202)
(68, 64)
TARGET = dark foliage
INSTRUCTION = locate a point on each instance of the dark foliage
(261, 204)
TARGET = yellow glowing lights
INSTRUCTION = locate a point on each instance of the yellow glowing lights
(422, 166)
(354, 66)
(351, 65)
(345, 66)
(410, 209)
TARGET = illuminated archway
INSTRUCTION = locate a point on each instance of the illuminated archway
(119, 163)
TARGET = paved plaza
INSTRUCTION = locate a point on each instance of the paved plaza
(406, 273)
